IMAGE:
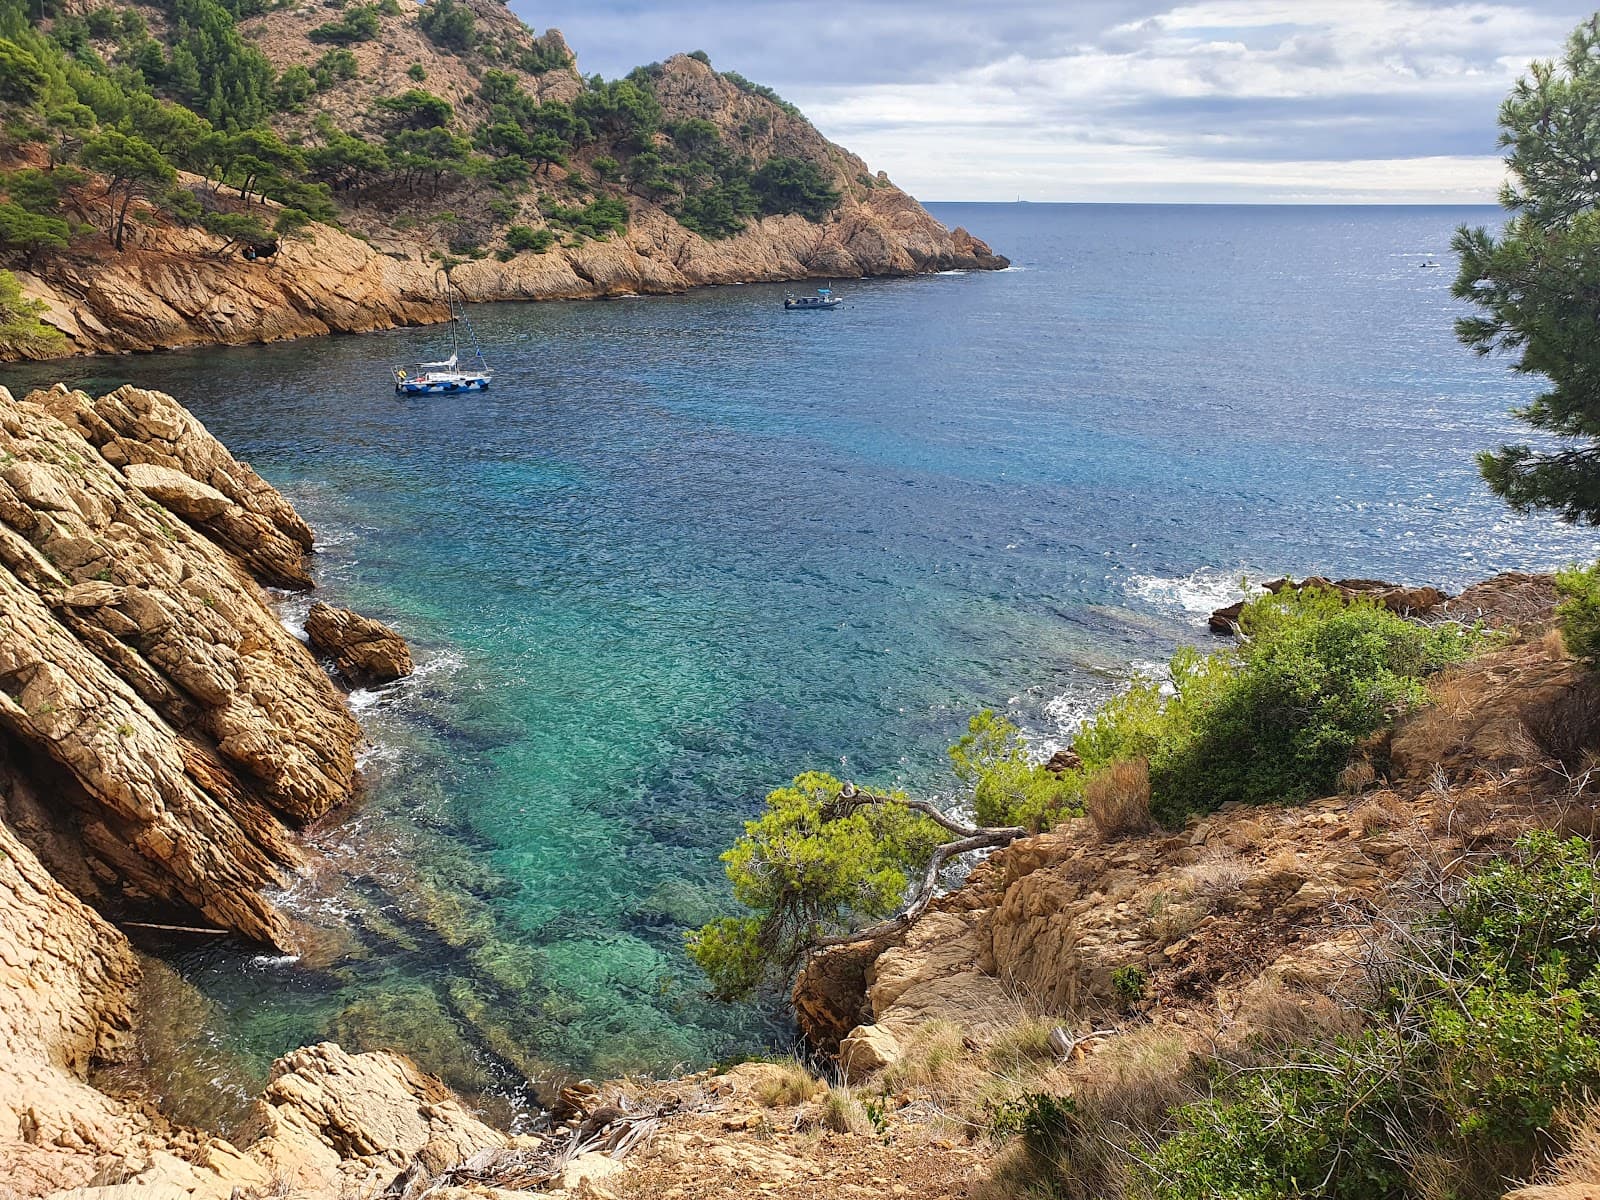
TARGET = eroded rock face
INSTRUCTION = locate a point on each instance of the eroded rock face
(66, 990)
(330, 1120)
(159, 727)
(366, 652)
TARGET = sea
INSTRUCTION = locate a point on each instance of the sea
(690, 546)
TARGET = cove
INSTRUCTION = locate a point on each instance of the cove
(690, 546)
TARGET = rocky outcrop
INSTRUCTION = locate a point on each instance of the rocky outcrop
(1396, 597)
(365, 652)
(160, 729)
(1101, 930)
(170, 287)
(341, 1124)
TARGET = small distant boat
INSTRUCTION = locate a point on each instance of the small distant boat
(448, 376)
(823, 301)
(1430, 263)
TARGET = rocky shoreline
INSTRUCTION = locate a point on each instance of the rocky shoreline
(171, 291)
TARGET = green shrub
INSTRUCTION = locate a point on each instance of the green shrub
(1129, 984)
(1578, 614)
(1007, 788)
(522, 237)
(21, 331)
(598, 220)
(417, 72)
(809, 866)
(448, 24)
(334, 66)
(1276, 719)
(359, 24)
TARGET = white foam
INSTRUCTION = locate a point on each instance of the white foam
(1200, 592)
(292, 609)
(957, 271)
(275, 960)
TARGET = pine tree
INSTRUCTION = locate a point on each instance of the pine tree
(1538, 282)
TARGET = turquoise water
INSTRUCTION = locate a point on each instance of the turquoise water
(689, 546)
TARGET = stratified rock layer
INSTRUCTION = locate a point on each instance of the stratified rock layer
(159, 727)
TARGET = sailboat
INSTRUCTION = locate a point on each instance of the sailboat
(449, 375)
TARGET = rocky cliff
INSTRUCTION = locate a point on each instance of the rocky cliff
(160, 729)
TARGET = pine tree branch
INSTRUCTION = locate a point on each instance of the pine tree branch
(968, 839)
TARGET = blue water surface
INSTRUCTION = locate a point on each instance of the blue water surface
(689, 546)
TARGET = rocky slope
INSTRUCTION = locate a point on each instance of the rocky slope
(177, 285)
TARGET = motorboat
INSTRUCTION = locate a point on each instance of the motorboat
(823, 301)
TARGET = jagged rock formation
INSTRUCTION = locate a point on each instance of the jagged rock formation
(160, 733)
(171, 288)
(160, 729)
(366, 652)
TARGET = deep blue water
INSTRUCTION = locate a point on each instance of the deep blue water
(690, 546)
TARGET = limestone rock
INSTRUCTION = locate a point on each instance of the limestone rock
(866, 1050)
(587, 1170)
(189, 498)
(367, 652)
(66, 995)
(329, 1118)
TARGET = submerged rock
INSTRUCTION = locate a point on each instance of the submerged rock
(366, 652)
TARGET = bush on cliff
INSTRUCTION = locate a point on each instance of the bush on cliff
(22, 334)
(825, 858)
(1008, 787)
(1275, 720)
(811, 865)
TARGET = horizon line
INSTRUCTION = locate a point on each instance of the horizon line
(1228, 203)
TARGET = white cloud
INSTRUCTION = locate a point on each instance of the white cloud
(1232, 99)
(1123, 100)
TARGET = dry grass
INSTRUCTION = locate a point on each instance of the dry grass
(1118, 798)
(1568, 725)
(843, 1113)
(1385, 811)
(935, 1060)
(1025, 1044)
(1216, 881)
(1269, 1018)
(1553, 645)
(785, 1084)
(1445, 727)
(1173, 916)
(1357, 777)
(1580, 1164)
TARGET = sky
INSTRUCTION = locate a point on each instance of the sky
(1269, 101)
